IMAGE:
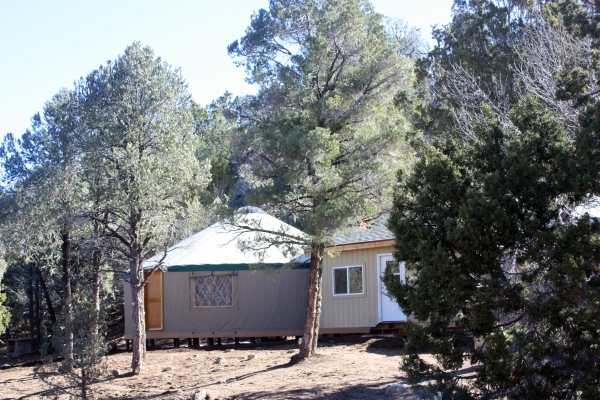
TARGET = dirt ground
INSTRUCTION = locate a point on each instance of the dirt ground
(347, 367)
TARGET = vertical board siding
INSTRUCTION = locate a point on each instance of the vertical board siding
(352, 311)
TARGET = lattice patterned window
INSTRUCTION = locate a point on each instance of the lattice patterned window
(214, 291)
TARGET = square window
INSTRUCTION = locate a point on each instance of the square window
(214, 291)
(348, 280)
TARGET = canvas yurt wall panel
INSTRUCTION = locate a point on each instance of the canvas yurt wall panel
(237, 303)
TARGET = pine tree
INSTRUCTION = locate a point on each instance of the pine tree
(90, 364)
(140, 137)
(323, 136)
(42, 168)
(4, 314)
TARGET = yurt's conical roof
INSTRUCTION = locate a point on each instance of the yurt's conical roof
(218, 247)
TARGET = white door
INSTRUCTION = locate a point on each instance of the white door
(389, 311)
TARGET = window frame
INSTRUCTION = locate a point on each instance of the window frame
(347, 268)
(194, 279)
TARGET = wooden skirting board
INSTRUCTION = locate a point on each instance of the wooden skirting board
(243, 334)
(360, 246)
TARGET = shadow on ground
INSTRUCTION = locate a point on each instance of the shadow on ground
(375, 391)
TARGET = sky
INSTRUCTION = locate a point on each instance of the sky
(47, 45)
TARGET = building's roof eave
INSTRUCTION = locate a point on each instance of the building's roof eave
(362, 245)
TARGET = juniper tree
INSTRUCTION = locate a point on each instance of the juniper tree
(322, 134)
(140, 136)
(470, 64)
(491, 243)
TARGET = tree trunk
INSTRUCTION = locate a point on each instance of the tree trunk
(67, 309)
(31, 315)
(315, 296)
(48, 299)
(97, 259)
(96, 263)
(136, 277)
(317, 323)
(38, 315)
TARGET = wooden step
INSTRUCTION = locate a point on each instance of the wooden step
(390, 328)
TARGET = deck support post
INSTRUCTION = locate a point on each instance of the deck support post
(176, 343)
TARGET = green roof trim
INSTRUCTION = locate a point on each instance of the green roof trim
(231, 267)
(228, 267)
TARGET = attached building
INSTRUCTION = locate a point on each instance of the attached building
(362, 306)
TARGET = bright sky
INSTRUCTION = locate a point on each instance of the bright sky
(46, 45)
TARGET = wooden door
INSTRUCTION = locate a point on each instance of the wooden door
(153, 302)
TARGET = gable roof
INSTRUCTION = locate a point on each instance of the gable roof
(375, 232)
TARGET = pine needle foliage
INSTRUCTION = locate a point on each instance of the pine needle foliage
(89, 364)
(323, 135)
(142, 142)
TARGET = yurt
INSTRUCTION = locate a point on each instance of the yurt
(222, 282)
